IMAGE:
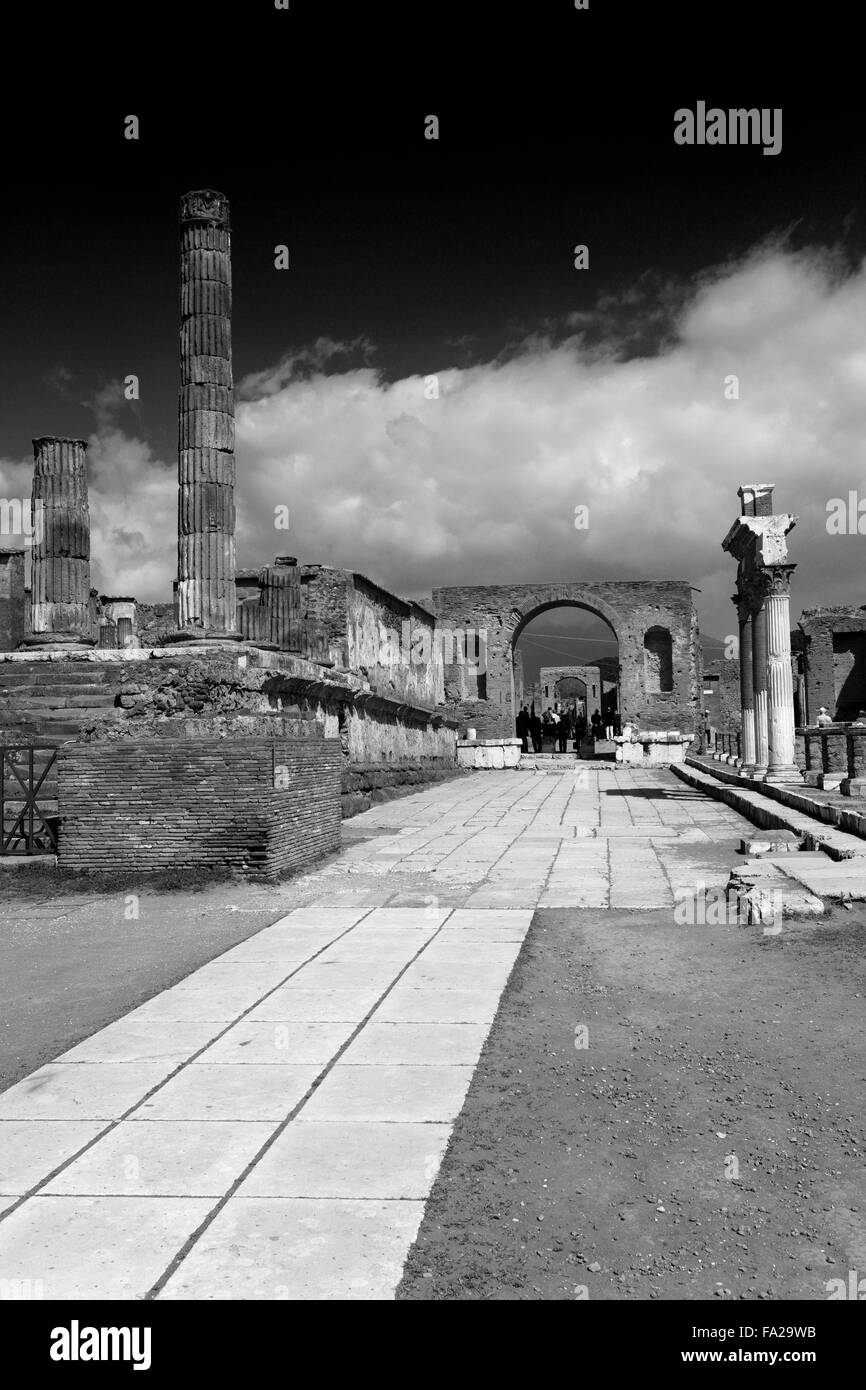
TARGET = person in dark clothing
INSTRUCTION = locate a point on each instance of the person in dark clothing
(597, 725)
(522, 724)
(564, 730)
(535, 730)
(548, 728)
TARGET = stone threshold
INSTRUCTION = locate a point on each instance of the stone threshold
(838, 831)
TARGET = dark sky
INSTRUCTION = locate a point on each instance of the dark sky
(435, 252)
(556, 128)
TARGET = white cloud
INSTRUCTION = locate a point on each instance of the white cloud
(480, 485)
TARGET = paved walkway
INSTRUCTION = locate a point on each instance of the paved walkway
(271, 1126)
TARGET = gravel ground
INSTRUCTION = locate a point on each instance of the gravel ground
(609, 1171)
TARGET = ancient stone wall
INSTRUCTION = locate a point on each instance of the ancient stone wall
(365, 785)
(153, 623)
(388, 641)
(725, 672)
(835, 660)
(11, 599)
(632, 608)
(259, 807)
(178, 694)
(590, 675)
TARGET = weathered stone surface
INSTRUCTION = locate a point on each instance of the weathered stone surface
(494, 616)
(206, 593)
(60, 606)
(11, 599)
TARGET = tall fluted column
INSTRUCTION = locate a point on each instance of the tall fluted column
(781, 765)
(60, 556)
(759, 679)
(747, 692)
(206, 595)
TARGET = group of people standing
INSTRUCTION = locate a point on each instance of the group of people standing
(562, 725)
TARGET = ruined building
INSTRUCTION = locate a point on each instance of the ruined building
(234, 726)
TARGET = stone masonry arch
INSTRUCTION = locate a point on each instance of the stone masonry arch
(483, 697)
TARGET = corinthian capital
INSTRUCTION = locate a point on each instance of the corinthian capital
(777, 580)
(205, 205)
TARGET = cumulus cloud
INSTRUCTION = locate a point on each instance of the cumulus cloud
(622, 410)
(481, 484)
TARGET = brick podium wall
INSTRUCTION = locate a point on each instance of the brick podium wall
(259, 806)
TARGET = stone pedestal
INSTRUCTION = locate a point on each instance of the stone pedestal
(652, 747)
(814, 753)
(60, 609)
(206, 596)
(800, 754)
(834, 757)
(488, 754)
(855, 782)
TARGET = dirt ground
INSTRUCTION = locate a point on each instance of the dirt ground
(78, 952)
(610, 1171)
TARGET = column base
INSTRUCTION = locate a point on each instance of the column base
(747, 769)
(830, 781)
(853, 786)
(61, 641)
(758, 772)
(202, 637)
(788, 772)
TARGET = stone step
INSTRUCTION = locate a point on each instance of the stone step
(39, 730)
(90, 699)
(48, 672)
(45, 714)
(767, 808)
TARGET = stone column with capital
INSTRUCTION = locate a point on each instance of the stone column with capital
(759, 678)
(781, 765)
(747, 693)
(60, 613)
(206, 596)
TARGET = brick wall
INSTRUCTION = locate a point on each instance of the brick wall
(724, 673)
(835, 651)
(161, 803)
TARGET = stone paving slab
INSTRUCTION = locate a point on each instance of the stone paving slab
(81, 1090)
(300, 1250)
(31, 1149)
(93, 1247)
(361, 1159)
(270, 1127)
(147, 1158)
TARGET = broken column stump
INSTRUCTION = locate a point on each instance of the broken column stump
(60, 607)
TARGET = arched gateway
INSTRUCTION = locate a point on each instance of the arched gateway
(654, 622)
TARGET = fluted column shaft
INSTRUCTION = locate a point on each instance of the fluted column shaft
(281, 602)
(206, 594)
(747, 690)
(781, 764)
(60, 568)
(759, 681)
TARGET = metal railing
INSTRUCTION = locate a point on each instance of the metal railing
(26, 827)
